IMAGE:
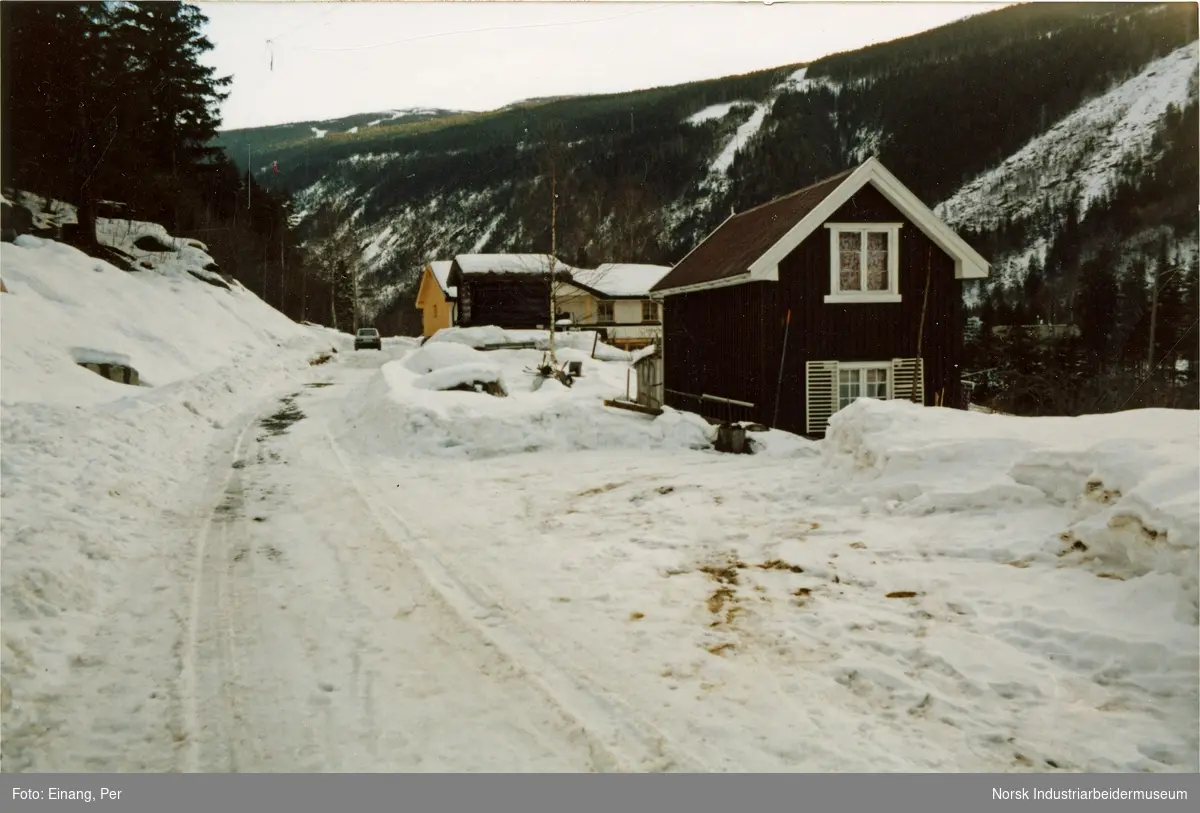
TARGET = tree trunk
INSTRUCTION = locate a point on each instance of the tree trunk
(357, 305)
(1153, 320)
(86, 215)
(282, 280)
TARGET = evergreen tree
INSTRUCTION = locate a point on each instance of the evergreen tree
(160, 44)
(1133, 316)
(1032, 293)
(1099, 304)
(60, 113)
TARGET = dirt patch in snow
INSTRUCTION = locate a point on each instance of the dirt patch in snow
(281, 421)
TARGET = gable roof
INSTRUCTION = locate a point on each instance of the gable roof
(508, 263)
(620, 280)
(748, 247)
(441, 272)
(728, 252)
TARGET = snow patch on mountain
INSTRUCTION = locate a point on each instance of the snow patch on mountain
(720, 166)
(714, 111)
(481, 243)
(1077, 159)
(799, 82)
(376, 159)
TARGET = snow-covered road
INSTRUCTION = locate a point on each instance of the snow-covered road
(360, 611)
(318, 643)
(323, 599)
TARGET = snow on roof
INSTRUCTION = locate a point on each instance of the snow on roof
(508, 263)
(622, 279)
(441, 273)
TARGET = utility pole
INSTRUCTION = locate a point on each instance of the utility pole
(1153, 318)
(553, 251)
(357, 317)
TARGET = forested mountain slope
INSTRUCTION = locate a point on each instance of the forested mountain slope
(1053, 135)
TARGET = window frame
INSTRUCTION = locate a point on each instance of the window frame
(610, 306)
(838, 296)
(861, 368)
(654, 317)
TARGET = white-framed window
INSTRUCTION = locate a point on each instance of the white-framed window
(831, 386)
(604, 311)
(649, 310)
(864, 262)
(866, 380)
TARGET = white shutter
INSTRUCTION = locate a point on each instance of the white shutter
(820, 393)
(908, 380)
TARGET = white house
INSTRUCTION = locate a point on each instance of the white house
(615, 297)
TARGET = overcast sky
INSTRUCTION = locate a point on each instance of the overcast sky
(300, 61)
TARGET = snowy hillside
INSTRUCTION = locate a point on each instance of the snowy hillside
(170, 320)
(1077, 159)
(648, 174)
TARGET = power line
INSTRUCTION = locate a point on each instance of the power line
(1154, 369)
(481, 30)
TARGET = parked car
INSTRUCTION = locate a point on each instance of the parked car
(367, 337)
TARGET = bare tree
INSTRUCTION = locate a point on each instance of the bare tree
(567, 196)
(335, 254)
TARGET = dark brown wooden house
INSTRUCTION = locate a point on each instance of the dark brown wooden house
(510, 291)
(871, 280)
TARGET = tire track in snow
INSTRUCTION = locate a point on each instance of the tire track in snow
(255, 718)
(622, 745)
(189, 678)
(210, 542)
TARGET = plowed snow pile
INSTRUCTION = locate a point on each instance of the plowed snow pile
(410, 410)
(1131, 479)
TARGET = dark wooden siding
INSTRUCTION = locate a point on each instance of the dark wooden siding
(513, 301)
(872, 332)
(713, 344)
(727, 341)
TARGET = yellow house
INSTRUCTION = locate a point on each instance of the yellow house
(435, 299)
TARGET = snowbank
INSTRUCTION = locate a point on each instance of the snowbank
(488, 336)
(1131, 479)
(65, 308)
(776, 443)
(101, 478)
(403, 413)
(459, 375)
(437, 355)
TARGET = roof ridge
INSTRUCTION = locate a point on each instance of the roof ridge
(845, 172)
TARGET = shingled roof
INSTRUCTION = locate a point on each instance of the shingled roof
(748, 247)
(743, 238)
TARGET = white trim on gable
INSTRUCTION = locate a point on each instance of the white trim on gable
(701, 286)
(968, 264)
